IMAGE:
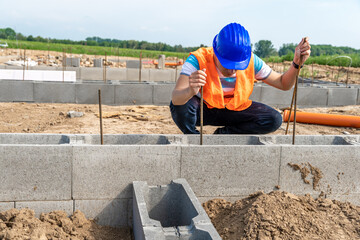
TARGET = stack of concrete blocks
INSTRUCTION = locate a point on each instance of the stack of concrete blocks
(161, 62)
(133, 64)
(72, 62)
(98, 62)
(169, 212)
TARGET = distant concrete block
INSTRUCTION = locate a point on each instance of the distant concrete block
(275, 97)
(92, 74)
(169, 212)
(161, 62)
(133, 75)
(112, 212)
(89, 93)
(342, 96)
(230, 170)
(339, 165)
(162, 93)
(162, 75)
(35, 173)
(16, 91)
(133, 64)
(129, 94)
(256, 94)
(116, 74)
(98, 62)
(73, 62)
(47, 206)
(4, 206)
(54, 92)
(104, 172)
(312, 97)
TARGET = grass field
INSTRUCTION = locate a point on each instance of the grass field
(91, 50)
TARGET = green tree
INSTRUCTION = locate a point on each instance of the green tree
(264, 48)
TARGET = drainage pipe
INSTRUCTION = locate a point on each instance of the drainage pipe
(324, 119)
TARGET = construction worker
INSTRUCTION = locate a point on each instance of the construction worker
(227, 71)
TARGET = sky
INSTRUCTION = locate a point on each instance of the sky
(187, 22)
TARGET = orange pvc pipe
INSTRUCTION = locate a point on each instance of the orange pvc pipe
(324, 119)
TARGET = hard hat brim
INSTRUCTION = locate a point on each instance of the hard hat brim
(228, 63)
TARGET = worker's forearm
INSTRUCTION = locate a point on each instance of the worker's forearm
(288, 78)
(181, 96)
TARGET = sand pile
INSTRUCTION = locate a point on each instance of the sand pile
(22, 225)
(280, 215)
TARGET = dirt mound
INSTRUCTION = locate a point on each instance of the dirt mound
(280, 215)
(22, 224)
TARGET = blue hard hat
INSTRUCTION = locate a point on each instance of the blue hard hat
(232, 47)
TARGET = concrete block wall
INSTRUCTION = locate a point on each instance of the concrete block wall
(160, 93)
(97, 180)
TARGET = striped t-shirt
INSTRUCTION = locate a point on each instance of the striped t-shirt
(262, 71)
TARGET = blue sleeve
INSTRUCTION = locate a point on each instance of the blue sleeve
(193, 61)
(258, 63)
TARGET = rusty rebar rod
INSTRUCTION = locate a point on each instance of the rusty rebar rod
(140, 65)
(101, 125)
(201, 115)
(104, 67)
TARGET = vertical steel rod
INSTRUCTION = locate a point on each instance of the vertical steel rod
(201, 115)
(140, 66)
(101, 125)
(24, 65)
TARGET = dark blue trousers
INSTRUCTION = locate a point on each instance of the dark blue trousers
(257, 119)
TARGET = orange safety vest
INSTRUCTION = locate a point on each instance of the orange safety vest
(213, 93)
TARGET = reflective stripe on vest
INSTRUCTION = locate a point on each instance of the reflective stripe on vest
(213, 93)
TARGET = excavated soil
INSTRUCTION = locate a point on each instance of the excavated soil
(23, 225)
(53, 118)
(280, 215)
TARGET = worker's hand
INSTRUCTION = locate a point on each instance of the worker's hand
(197, 80)
(303, 49)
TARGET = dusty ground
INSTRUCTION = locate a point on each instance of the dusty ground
(280, 215)
(52, 118)
(23, 225)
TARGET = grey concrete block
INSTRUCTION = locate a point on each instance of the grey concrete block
(35, 173)
(16, 91)
(73, 62)
(4, 206)
(112, 212)
(133, 64)
(342, 96)
(47, 206)
(54, 92)
(358, 97)
(312, 97)
(34, 138)
(275, 97)
(133, 75)
(162, 75)
(116, 74)
(339, 165)
(230, 170)
(162, 93)
(256, 94)
(168, 211)
(133, 94)
(92, 74)
(89, 93)
(98, 62)
(104, 172)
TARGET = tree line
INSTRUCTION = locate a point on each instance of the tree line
(262, 48)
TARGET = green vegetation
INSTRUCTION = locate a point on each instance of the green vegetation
(91, 50)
